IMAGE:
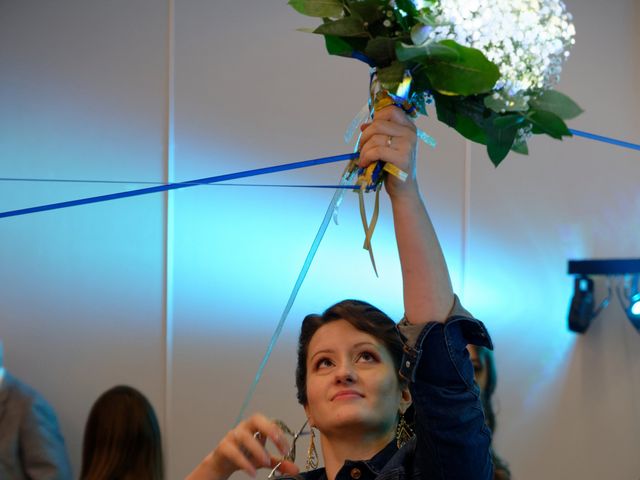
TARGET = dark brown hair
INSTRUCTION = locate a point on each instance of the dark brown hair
(361, 315)
(122, 438)
(488, 363)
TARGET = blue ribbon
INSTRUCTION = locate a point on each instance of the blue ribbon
(132, 182)
(234, 176)
(600, 138)
(175, 186)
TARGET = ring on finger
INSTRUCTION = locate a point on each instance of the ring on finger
(257, 436)
(389, 140)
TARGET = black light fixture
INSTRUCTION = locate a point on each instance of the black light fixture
(582, 309)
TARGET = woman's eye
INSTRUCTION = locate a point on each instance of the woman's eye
(323, 363)
(367, 357)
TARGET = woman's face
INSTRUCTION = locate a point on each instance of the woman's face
(352, 385)
(479, 371)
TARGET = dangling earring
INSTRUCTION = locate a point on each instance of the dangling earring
(404, 433)
(312, 453)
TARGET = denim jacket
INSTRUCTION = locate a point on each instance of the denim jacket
(452, 441)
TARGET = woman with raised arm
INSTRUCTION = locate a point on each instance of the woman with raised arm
(361, 382)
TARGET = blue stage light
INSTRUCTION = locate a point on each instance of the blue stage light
(634, 308)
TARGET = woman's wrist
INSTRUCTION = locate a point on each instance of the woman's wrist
(407, 191)
(206, 470)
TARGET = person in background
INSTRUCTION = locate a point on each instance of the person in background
(484, 368)
(31, 445)
(122, 438)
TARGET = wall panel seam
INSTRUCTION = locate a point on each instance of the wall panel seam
(168, 238)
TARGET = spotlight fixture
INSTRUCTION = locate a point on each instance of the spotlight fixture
(582, 312)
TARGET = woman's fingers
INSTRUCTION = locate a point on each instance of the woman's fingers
(395, 114)
(231, 455)
(389, 148)
(386, 128)
(268, 429)
(253, 448)
(286, 467)
(391, 137)
(243, 448)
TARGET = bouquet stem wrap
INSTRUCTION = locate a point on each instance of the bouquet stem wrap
(372, 177)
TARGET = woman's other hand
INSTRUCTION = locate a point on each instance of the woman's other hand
(243, 448)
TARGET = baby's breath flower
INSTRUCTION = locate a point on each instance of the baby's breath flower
(527, 39)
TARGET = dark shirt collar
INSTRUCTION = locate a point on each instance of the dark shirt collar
(374, 465)
(381, 458)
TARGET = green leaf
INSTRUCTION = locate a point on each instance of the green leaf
(391, 76)
(470, 129)
(350, 47)
(420, 81)
(469, 74)
(499, 143)
(420, 33)
(345, 27)
(423, 53)
(381, 50)
(337, 46)
(508, 121)
(446, 110)
(426, 18)
(319, 8)
(367, 10)
(549, 123)
(557, 103)
(521, 148)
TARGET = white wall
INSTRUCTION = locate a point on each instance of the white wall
(82, 91)
(178, 294)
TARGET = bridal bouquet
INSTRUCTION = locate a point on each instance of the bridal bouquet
(489, 66)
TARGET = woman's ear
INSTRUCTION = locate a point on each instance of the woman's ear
(405, 399)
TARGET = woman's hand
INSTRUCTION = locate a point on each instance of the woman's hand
(243, 448)
(391, 137)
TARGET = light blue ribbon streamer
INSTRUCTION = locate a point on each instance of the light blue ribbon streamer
(294, 293)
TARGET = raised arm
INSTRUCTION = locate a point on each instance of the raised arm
(452, 439)
(428, 295)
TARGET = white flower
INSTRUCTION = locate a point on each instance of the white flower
(527, 39)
